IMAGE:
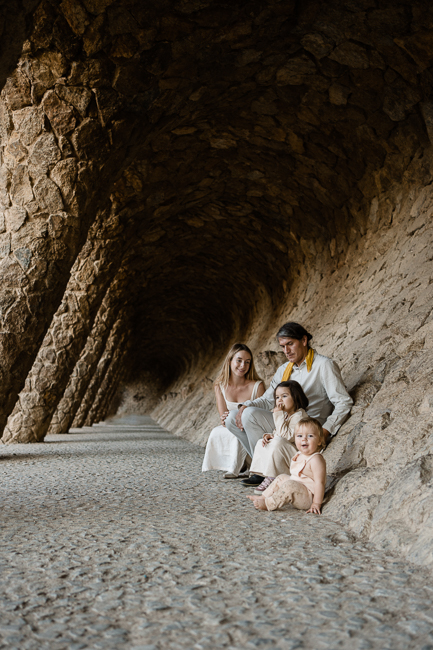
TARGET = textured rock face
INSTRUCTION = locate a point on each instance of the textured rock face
(91, 354)
(178, 176)
(116, 343)
(98, 261)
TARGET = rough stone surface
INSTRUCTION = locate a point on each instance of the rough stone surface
(114, 539)
(261, 161)
(109, 384)
(91, 274)
(86, 365)
(115, 343)
(58, 169)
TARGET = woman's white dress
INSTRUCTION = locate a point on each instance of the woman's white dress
(223, 449)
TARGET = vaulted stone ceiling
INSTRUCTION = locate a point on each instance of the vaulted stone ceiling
(200, 149)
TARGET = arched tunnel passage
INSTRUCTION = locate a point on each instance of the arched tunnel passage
(181, 175)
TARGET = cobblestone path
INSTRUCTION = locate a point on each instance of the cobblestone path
(112, 538)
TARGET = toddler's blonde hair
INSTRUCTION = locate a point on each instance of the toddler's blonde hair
(316, 425)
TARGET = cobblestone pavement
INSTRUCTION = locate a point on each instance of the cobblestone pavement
(112, 538)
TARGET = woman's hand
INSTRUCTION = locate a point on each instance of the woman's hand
(315, 509)
(266, 438)
(223, 417)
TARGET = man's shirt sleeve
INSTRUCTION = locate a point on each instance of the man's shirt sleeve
(337, 394)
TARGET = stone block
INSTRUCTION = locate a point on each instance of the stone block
(94, 37)
(17, 91)
(351, 54)
(338, 94)
(5, 245)
(89, 139)
(48, 195)
(64, 175)
(5, 121)
(12, 274)
(29, 122)
(78, 97)
(15, 218)
(419, 46)
(76, 15)
(24, 256)
(108, 102)
(59, 113)
(43, 155)
(21, 189)
(318, 44)
(296, 72)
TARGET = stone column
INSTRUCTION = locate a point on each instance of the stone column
(106, 385)
(95, 266)
(115, 341)
(66, 133)
(90, 356)
(106, 402)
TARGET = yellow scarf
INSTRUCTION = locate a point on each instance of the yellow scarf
(309, 360)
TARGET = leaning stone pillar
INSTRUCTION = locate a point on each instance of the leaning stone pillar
(107, 399)
(65, 135)
(107, 383)
(115, 341)
(46, 383)
(90, 356)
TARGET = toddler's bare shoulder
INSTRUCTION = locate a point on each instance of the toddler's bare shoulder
(318, 461)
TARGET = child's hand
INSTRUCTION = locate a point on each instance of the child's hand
(277, 408)
(315, 509)
(266, 438)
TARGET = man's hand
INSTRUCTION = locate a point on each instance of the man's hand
(266, 438)
(239, 418)
(315, 509)
(223, 417)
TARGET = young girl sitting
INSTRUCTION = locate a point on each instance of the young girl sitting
(305, 487)
(273, 454)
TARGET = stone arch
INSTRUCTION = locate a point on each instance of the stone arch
(263, 160)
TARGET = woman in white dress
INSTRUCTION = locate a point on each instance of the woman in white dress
(237, 382)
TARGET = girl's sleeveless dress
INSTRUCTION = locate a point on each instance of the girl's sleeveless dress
(223, 449)
(274, 459)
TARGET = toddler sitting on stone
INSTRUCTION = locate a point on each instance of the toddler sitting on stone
(305, 487)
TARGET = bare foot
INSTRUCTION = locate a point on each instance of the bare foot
(259, 502)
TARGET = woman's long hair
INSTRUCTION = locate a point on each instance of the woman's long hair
(224, 375)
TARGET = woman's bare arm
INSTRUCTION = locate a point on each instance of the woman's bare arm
(221, 404)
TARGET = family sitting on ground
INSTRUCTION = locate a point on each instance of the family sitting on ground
(304, 407)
